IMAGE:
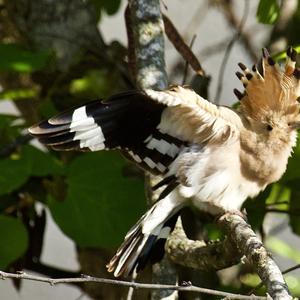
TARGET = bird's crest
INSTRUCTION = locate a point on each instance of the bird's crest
(270, 88)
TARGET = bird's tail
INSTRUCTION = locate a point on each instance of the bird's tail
(146, 239)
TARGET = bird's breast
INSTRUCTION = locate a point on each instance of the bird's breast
(214, 181)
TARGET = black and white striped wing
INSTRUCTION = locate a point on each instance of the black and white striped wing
(127, 121)
(149, 127)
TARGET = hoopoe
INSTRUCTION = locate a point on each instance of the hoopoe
(210, 157)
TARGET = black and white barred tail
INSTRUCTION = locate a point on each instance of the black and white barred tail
(145, 241)
(127, 121)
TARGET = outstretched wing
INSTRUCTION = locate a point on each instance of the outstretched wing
(151, 128)
(190, 117)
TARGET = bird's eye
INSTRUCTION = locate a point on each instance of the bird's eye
(269, 127)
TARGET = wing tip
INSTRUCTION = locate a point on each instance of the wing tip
(46, 128)
(40, 128)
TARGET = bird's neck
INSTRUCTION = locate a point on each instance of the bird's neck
(263, 159)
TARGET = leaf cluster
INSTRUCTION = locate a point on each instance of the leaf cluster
(90, 196)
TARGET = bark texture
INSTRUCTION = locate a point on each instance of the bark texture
(246, 241)
(200, 255)
(150, 72)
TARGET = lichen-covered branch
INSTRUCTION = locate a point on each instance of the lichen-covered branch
(240, 232)
(240, 241)
(150, 72)
(200, 255)
(149, 47)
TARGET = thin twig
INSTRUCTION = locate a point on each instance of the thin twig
(183, 49)
(245, 36)
(135, 285)
(130, 43)
(131, 289)
(291, 269)
(257, 287)
(198, 17)
(216, 48)
(228, 50)
(186, 67)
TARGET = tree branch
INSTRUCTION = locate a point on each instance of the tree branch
(147, 32)
(186, 287)
(283, 272)
(47, 270)
(200, 255)
(240, 232)
(182, 48)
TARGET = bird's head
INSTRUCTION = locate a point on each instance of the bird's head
(269, 102)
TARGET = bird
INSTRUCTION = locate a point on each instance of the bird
(210, 157)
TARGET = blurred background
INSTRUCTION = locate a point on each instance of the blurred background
(63, 214)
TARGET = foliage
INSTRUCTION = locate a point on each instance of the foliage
(17, 94)
(19, 59)
(109, 6)
(267, 11)
(97, 197)
(14, 240)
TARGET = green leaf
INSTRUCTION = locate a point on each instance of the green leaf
(292, 171)
(14, 240)
(282, 54)
(47, 109)
(17, 94)
(111, 6)
(6, 120)
(250, 279)
(95, 83)
(256, 208)
(16, 169)
(41, 163)
(8, 132)
(101, 204)
(213, 232)
(267, 11)
(293, 283)
(14, 58)
(279, 196)
(14, 173)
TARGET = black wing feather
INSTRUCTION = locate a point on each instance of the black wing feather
(126, 121)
